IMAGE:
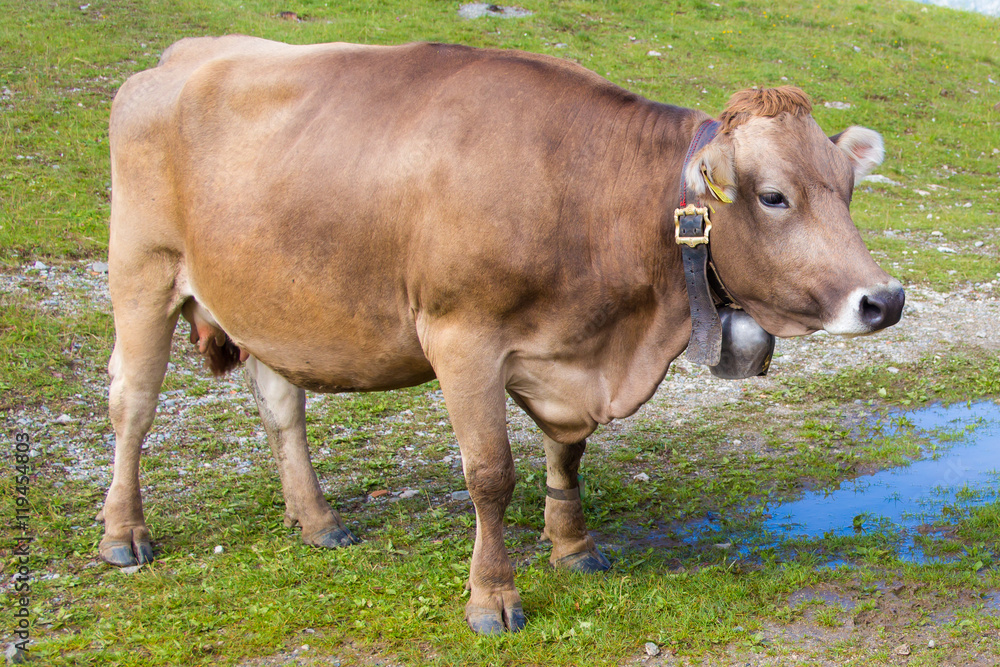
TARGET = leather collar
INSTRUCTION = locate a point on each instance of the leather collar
(692, 229)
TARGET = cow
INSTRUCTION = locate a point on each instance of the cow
(349, 218)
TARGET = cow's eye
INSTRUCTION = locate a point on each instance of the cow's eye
(773, 200)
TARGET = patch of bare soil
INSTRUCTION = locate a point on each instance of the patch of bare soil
(303, 656)
(838, 625)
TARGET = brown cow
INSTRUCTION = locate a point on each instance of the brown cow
(363, 218)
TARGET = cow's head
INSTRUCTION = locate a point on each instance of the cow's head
(786, 247)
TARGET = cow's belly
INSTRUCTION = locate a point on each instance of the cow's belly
(307, 330)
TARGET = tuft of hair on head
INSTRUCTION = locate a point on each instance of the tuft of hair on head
(766, 102)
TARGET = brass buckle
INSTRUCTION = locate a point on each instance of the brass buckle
(691, 241)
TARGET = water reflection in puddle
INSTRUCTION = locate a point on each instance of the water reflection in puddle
(966, 474)
(961, 475)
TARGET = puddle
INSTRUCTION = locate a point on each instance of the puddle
(908, 497)
(960, 473)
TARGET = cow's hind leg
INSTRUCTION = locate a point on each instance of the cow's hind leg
(144, 323)
(282, 408)
(572, 546)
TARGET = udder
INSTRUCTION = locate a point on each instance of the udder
(220, 352)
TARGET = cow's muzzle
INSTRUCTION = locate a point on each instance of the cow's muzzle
(883, 308)
(867, 310)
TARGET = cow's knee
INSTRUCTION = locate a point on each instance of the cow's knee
(491, 485)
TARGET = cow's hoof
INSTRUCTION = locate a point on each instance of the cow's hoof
(333, 538)
(125, 554)
(586, 562)
(486, 621)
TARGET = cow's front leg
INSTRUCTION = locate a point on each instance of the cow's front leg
(572, 546)
(473, 391)
(282, 408)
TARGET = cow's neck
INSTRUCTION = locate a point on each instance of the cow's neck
(660, 334)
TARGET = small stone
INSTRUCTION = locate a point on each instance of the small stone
(937, 233)
(560, 45)
(880, 179)
(837, 105)
(892, 369)
(641, 477)
(39, 266)
(652, 650)
(310, 631)
(305, 647)
(64, 419)
(99, 267)
(16, 656)
(725, 546)
(460, 495)
(945, 249)
(131, 569)
(475, 10)
(410, 493)
(978, 244)
(931, 643)
(902, 649)
(653, 54)
(218, 549)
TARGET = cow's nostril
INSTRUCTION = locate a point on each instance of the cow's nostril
(882, 309)
(872, 312)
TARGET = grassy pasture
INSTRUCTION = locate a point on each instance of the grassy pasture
(927, 78)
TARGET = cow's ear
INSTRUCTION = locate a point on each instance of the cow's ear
(713, 170)
(863, 148)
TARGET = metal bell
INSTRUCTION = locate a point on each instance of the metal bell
(746, 347)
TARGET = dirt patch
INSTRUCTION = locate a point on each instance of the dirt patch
(855, 624)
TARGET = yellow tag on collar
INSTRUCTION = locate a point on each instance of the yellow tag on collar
(716, 190)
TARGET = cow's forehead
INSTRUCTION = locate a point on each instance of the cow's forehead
(788, 145)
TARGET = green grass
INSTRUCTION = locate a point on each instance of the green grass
(918, 74)
(44, 356)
